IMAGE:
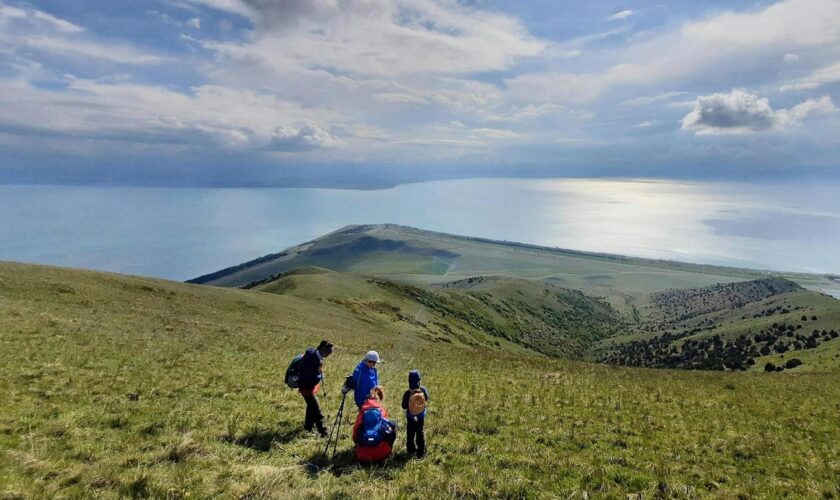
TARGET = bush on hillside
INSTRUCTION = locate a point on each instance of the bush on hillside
(793, 363)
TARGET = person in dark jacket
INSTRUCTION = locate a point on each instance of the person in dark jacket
(414, 403)
(363, 379)
(311, 374)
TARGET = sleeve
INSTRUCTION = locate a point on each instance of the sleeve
(406, 396)
(426, 393)
(353, 379)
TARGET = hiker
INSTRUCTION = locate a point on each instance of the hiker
(414, 403)
(363, 379)
(373, 433)
(311, 375)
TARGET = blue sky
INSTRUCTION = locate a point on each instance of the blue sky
(367, 92)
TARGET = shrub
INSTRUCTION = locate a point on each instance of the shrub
(793, 363)
(770, 367)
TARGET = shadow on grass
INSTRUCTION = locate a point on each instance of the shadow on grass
(260, 439)
(345, 461)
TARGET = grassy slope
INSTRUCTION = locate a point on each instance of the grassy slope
(493, 311)
(704, 313)
(118, 386)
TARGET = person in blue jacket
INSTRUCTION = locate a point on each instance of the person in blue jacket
(311, 375)
(363, 379)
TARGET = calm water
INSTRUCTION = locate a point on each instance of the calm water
(182, 233)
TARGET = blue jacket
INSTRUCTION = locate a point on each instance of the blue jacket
(362, 381)
(310, 370)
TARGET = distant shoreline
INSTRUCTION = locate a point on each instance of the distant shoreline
(350, 185)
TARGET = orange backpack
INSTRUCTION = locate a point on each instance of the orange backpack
(416, 402)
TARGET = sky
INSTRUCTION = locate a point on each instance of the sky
(367, 93)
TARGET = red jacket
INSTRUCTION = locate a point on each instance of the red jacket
(370, 453)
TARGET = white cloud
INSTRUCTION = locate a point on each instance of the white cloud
(9, 14)
(194, 23)
(624, 14)
(791, 58)
(740, 113)
(726, 44)
(400, 98)
(305, 138)
(494, 133)
(227, 118)
(383, 37)
(644, 124)
(820, 106)
(26, 29)
(822, 76)
(646, 100)
(529, 112)
(111, 52)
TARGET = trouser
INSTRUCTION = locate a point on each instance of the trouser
(314, 417)
(415, 440)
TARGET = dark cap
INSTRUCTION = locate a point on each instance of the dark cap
(325, 346)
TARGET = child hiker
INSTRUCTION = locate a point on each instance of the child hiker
(414, 402)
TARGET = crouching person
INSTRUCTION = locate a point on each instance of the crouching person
(373, 433)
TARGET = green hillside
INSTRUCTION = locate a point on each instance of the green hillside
(425, 257)
(532, 314)
(117, 386)
(740, 325)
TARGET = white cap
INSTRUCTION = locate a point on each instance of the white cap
(373, 356)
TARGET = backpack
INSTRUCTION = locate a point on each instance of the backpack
(416, 402)
(374, 428)
(293, 372)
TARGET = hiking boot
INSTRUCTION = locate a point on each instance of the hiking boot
(421, 454)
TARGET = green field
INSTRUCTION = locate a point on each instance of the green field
(117, 386)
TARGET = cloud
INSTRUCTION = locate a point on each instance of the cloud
(624, 14)
(791, 58)
(305, 138)
(111, 52)
(494, 133)
(822, 76)
(194, 23)
(644, 124)
(383, 38)
(24, 30)
(729, 44)
(741, 113)
(646, 100)
(35, 17)
(227, 119)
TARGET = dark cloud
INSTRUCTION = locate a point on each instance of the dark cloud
(739, 112)
(279, 14)
(736, 112)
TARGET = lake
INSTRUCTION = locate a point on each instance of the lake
(182, 233)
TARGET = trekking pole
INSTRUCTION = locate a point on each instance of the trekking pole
(338, 430)
(335, 428)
